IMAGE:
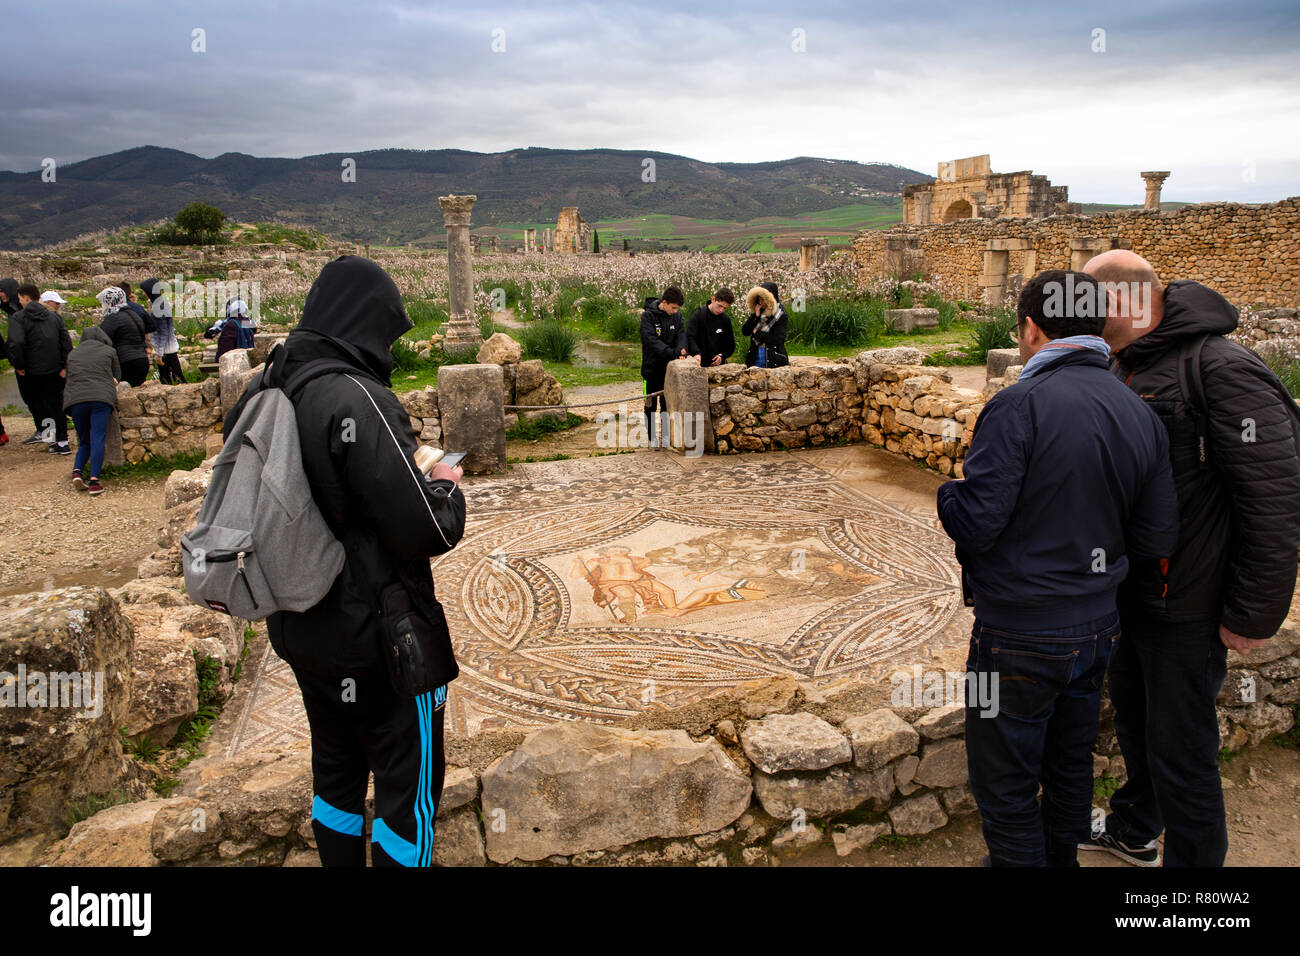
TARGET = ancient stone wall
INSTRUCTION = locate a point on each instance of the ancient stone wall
(1248, 253)
(885, 397)
(572, 232)
(159, 421)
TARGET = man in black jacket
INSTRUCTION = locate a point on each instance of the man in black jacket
(38, 350)
(1067, 477)
(663, 339)
(709, 334)
(1233, 449)
(358, 453)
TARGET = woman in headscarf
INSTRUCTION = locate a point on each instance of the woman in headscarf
(766, 326)
(127, 332)
(165, 347)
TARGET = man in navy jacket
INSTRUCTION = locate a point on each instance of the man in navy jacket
(1067, 476)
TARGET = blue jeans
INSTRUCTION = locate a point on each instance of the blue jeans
(91, 421)
(1048, 686)
(1163, 682)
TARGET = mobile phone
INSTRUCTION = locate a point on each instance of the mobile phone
(452, 458)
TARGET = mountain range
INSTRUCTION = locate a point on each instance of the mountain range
(393, 198)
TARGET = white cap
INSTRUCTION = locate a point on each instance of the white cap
(53, 297)
(237, 309)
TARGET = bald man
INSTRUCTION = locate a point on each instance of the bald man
(1234, 436)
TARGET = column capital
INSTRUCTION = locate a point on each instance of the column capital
(455, 209)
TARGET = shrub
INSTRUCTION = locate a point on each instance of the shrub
(622, 326)
(995, 333)
(549, 340)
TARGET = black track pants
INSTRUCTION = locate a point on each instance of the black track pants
(360, 726)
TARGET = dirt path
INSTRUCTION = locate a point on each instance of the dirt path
(52, 535)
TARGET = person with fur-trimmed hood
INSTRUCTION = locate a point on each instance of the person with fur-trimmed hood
(766, 327)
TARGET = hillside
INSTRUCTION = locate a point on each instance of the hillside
(394, 197)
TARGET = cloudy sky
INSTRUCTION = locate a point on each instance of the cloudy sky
(1088, 94)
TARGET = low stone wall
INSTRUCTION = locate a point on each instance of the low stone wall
(1273, 333)
(158, 421)
(885, 397)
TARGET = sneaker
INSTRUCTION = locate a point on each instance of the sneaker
(95, 487)
(64, 449)
(33, 440)
(77, 482)
(1145, 855)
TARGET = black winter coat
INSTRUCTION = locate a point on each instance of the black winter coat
(1067, 480)
(773, 338)
(663, 337)
(38, 340)
(129, 334)
(358, 452)
(708, 335)
(1239, 501)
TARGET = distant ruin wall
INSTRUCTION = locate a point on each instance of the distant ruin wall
(1248, 253)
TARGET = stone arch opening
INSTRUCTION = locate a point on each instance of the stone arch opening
(958, 209)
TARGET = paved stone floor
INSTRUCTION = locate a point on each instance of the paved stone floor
(590, 589)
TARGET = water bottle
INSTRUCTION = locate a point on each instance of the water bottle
(762, 357)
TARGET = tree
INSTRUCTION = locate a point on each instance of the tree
(595, 240)
(200, 220)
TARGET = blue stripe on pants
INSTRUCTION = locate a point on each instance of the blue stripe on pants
(340, 821)
(402, 852)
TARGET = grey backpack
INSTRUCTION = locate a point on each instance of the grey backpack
(260, 544)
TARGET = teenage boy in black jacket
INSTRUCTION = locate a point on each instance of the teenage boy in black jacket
(663, 339)
(358, 455)
(1228, 584)
(1066, 478)
(709, 334)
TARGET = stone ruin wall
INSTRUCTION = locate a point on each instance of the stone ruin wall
(572, 232)
(1248, 253)
(885, 397)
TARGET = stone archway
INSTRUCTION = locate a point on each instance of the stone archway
(958, 209)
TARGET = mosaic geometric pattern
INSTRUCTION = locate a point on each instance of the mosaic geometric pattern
(585, 590)
(591, 589)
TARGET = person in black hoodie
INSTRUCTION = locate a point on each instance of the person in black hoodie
(38, 349)
(709, 334)
(1066, 481)
(358, 454)
(663, 339)
(766, 326)
(8, 306)
(129, 334)
(1234, 445)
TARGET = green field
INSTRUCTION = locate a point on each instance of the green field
(665, 232)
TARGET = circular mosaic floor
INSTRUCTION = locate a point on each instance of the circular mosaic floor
(592, 589)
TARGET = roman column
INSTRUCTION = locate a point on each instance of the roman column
(1154, 181)
(462, 328)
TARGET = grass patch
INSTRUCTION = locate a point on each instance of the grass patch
(1288, 370)
(995, 333)
(89, 805)
(537, 428)
(154, 467)
(549, 340)
(535, 458)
